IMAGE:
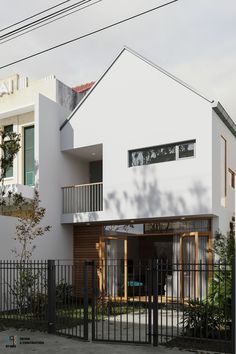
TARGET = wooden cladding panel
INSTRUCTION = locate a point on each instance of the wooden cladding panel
(86, 242)
(86, 247)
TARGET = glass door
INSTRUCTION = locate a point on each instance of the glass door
(194, 258)
(188, 246)
(115, 267)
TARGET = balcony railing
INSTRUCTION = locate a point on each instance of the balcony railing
(82, 198)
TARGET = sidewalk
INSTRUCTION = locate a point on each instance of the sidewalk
(53, 344)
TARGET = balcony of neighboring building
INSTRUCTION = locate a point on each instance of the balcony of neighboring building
(86, 197)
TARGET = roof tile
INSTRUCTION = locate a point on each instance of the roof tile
(84, 87)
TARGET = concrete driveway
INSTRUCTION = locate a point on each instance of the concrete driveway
(38, 342)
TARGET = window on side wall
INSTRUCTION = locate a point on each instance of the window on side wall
(29, 156)
(162, 153)
(9, 171)
(232, 178)
(223, 171)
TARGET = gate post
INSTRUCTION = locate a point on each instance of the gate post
(233, 306)
(155, 303)
(51, 297)
(93, 300)
(86, 264)
(149, 293)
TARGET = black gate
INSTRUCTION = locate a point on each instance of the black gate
(135, 301)
(121, 314)
(154, 302)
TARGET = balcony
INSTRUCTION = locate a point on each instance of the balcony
(82, 198)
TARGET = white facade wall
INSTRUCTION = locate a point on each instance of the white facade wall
(55, 169)
(224, 213)
(137, 106)
(7, 233)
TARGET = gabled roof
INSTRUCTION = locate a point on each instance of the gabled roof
(223, 114)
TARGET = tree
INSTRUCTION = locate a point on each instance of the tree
(29, 287)
(224, 245)
(24, 288)
(30, 212)
(220, 289)
(9, 147)
(28, 227)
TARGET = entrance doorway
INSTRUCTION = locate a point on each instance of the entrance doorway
(181, 261)
(115, 267)
(193, 259)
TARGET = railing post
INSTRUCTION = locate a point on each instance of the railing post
(51, 297)
(155, 303)
(233, 306)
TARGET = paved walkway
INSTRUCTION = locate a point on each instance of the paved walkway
(60, 345)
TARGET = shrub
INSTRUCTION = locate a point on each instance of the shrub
(64, 293)
(204, 319)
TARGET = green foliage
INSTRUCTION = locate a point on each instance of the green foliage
(27, 287)
(9, 147)
(38, 304)
(213, 315)
(64, 293)
(204, 319)
(220, 287)
(224, 245)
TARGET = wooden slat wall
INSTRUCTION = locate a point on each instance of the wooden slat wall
(86, 247)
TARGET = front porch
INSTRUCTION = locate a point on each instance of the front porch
(125, 254)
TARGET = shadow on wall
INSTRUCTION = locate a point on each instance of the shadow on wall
(92, 216)
(148, 200)
(67, 136)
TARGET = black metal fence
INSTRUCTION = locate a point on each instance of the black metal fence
(135, 301)
(43, 295)
(163, 303)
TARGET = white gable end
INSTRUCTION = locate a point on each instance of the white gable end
(134, 106)
(133, 90)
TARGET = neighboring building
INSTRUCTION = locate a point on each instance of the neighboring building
(82, 90)
(143, 167)
(25, 107)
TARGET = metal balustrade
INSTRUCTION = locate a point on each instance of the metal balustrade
(82, 198)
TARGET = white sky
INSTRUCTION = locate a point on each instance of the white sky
(193, 39)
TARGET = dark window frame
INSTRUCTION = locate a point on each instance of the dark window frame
(150, 150)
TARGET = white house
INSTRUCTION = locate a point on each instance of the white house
(143, 167)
